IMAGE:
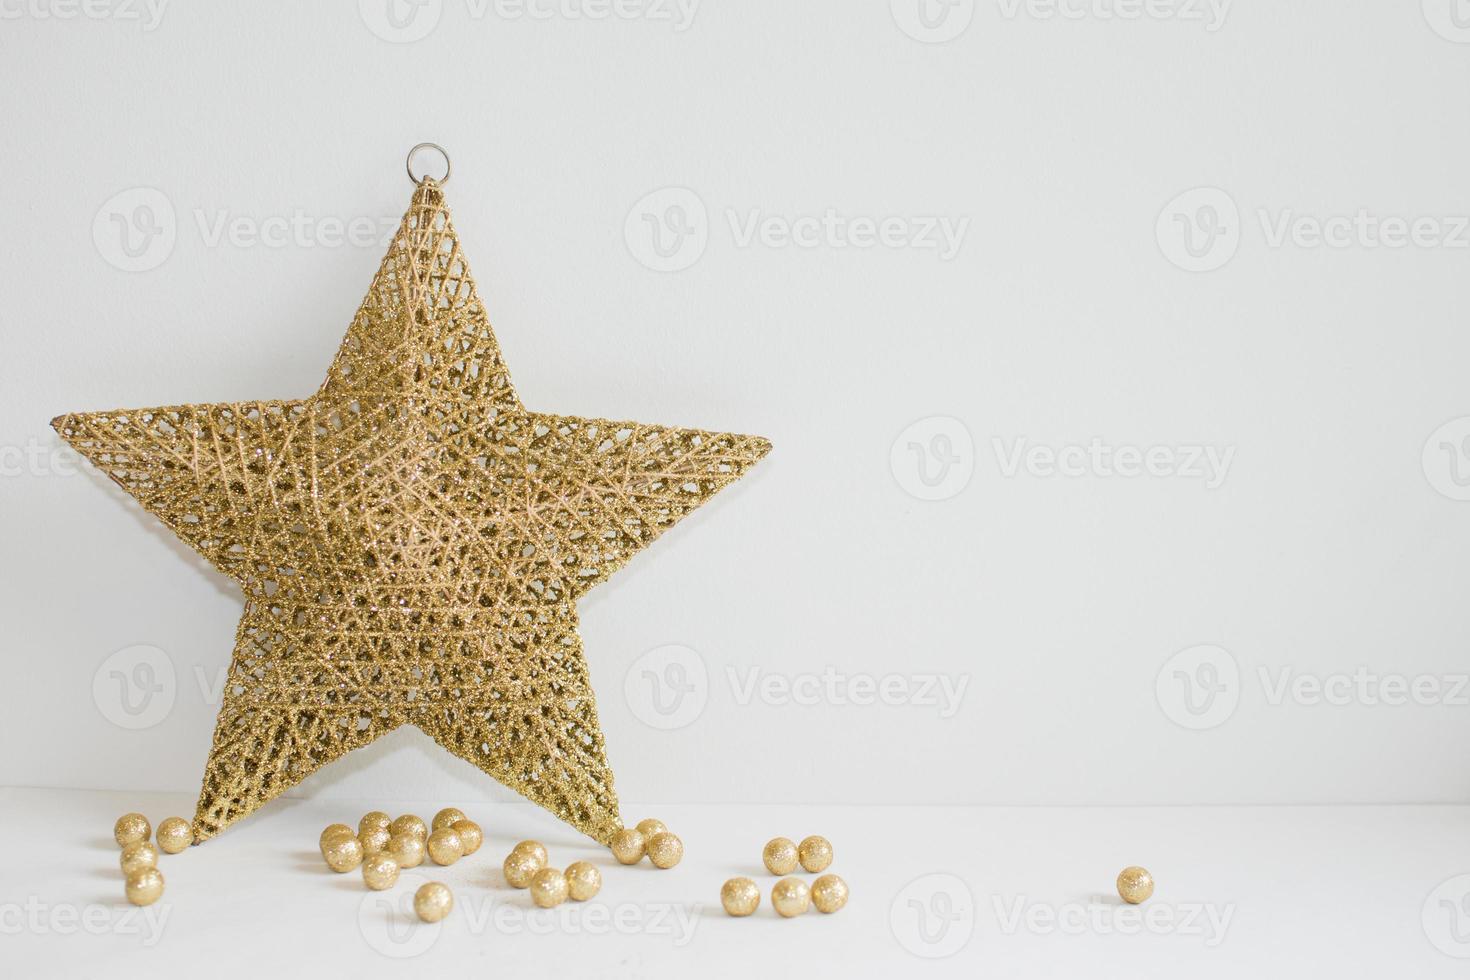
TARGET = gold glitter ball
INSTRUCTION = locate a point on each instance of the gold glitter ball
(342, 853)
(740, 896)
(374, 820)
(815, 853)
(1135, 885)
(174, 835)
(379, 871)
(549, 888)
(470, 835)
(445, 847)
(433, 901)
(411, 541)
(520, 867)
(145, 887)
(779, 856)
(410, 824)
(665, 850)
(447, 817)
(627, 846)
(829, 893)
(583, 880)
(648, 828)
(131, 827)
(140, 855)
(374, 840)
(407, 849)
(534, 848)
(791, 896)
(335, 831)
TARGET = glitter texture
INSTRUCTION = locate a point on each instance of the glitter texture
(411, 542)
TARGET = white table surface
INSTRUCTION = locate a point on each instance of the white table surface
(982, 891)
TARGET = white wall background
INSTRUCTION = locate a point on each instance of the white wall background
(1334, 543)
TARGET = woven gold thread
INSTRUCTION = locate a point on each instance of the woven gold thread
(411, 542)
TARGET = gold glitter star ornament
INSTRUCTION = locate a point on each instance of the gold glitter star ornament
(411, 542)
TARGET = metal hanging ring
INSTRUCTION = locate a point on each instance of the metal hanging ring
(448, 168)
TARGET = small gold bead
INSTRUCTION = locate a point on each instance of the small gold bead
(829, 893)
(374, 820)
(447, 817)
(379, 871)
(470, 835)
(410, 824)
(520, 867)
(650, 827)
(815, 853)
(145, 887)
(627, 846)
(779, 856)
(534, 848)
(433, 901)
(791, 896)
(445, 847)
(174, 835)
(374, 840)
(131, 827)
(665, 850)
(140, 855)
(342, 853)
(406, 849)
(583, 880)
(335, 832)
(1135, 885)
(549, 888)
(740, 896)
